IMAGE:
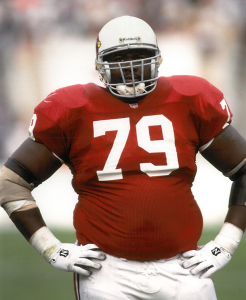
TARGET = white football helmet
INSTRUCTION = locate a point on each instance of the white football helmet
(121, 34)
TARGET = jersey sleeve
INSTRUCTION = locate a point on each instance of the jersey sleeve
(213, 113)
(48, 125)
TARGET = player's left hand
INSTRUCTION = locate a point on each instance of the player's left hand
(208, 258)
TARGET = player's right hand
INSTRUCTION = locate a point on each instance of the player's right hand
(73, 258)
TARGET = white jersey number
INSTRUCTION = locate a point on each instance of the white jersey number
(109, 171)
(32, 125)
(224, 106)
(167, 145)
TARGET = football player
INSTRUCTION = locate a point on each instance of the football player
(131, 148)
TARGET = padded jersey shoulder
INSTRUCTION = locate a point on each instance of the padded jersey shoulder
(68, 101)
(73, 96)
(188, 85)
(59, 115)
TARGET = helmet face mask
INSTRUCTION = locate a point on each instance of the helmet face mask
(128, 69)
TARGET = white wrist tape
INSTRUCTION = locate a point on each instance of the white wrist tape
(229, 237)
(45, 243)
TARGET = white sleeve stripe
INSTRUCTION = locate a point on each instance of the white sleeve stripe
(202, 148)
(234, 171)
(58, 158)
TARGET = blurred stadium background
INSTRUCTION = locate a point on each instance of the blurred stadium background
(47, 44)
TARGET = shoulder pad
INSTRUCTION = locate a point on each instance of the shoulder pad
(188, 85)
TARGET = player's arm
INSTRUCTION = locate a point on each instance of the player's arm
(33, 163)
(30, 165)
(227, 153)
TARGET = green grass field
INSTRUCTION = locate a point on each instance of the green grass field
(24, 275)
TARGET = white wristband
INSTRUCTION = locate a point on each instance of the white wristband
(229, 237)
(45, 243)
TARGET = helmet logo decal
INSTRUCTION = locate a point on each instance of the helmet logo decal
(98, 44)
(137, 38)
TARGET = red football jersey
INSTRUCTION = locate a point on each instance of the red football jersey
(133, 165)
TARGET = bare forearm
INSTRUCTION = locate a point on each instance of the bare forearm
(237, 216)
(28, 221)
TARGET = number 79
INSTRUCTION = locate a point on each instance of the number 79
(122, 125)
